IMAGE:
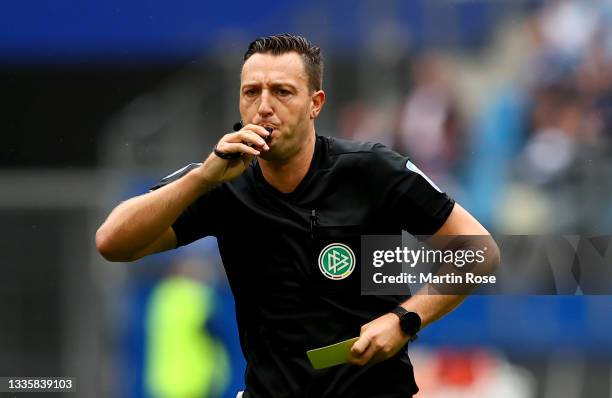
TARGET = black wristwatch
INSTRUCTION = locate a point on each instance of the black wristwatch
(410, 322)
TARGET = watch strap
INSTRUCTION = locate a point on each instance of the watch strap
(227, 156)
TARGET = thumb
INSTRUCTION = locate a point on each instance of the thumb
(247, 159)
(360, 345)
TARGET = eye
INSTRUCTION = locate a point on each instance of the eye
(283, 92)
(250, 92)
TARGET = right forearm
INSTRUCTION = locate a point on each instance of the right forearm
(139, 221)
(140, 226)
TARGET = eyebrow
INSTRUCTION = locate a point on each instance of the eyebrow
(274, 84)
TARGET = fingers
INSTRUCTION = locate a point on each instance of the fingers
(234, 147)
(260, 130)
(247, 137)
(377, 342)
(247, 141)
(244, 137)
(372, 354)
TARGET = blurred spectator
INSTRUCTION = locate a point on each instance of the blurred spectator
(429, 128)
(183, 359)
(566, 28)
(553, 145)
(361, 121)
(549, 178)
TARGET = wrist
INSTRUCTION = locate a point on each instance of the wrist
(203, 180)
(409, 322)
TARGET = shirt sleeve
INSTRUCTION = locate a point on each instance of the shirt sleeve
(409, 195)
(199, 219)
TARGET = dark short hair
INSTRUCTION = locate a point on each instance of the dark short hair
(286, 43)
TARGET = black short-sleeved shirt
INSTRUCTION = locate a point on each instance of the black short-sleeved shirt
(270, 244)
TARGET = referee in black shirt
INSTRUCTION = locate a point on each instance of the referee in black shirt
(276, 195)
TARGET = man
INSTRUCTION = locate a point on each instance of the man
(274, 209)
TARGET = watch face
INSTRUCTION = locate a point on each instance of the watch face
(410, 323)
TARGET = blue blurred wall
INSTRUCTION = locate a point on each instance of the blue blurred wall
(67, 31)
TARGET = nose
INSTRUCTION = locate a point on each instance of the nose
(265, 106)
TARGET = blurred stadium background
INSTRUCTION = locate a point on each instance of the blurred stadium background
(506, 104)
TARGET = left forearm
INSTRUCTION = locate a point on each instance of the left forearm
(384, 336)
(434, 301)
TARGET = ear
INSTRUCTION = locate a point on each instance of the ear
(318, 99)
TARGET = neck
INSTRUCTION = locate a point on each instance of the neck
(286, 176)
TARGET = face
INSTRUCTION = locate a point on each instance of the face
(274, 92)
